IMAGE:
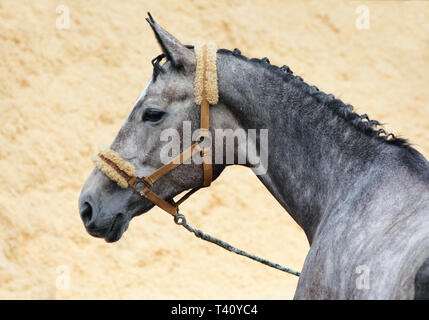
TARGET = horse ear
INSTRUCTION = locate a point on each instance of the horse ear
(175, 51)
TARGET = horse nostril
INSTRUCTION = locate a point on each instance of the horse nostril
(86, 213)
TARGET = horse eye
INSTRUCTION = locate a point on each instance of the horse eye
(153, 115)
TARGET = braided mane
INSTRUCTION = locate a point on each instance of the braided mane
(371, 128)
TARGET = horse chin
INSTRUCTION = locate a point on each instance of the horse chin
(121, 223)
(119, 226)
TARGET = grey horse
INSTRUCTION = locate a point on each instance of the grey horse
(360, 195)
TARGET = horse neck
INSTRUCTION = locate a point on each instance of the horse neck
(316, 158)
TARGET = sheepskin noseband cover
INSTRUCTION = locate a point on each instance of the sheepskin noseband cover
(104, 160)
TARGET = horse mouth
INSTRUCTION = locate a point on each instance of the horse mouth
(117, 229)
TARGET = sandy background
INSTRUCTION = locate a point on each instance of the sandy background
(64, 92)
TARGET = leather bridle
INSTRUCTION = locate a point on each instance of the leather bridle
(143, 185)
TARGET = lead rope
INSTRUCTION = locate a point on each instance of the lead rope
(180, 219)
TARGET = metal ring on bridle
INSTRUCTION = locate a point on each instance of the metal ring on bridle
(180, 219)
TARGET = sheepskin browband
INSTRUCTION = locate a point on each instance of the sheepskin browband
(206, 72)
